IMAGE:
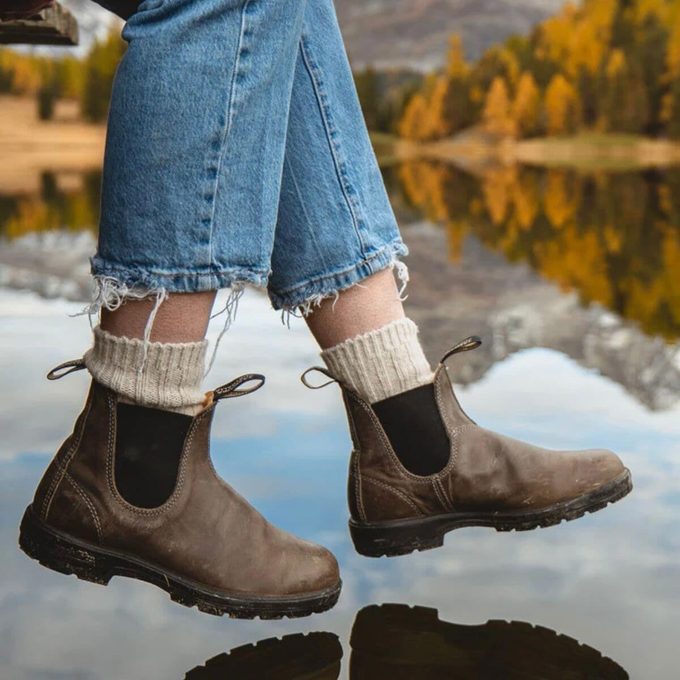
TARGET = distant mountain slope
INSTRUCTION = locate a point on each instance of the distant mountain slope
(415, 33)
(411, 33)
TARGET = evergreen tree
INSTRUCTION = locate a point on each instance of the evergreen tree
(369, 95)
(625, 103)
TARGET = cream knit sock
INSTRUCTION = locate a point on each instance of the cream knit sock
(381, 363)
(170, 378)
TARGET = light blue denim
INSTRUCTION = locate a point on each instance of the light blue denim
(237, 153)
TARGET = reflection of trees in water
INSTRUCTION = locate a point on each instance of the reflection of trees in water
(74, 206)
(612, 237)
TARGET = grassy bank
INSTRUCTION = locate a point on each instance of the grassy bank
(29, 146)
(585, 151)
(598, 150)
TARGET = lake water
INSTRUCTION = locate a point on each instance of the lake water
(571, 280)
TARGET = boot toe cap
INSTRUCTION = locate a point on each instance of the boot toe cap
(600, 466)
(318, 569)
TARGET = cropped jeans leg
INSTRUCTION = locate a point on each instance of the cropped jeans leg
(237, 153)
(335, 223)
(195, 146)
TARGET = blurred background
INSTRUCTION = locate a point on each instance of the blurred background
(531, 149)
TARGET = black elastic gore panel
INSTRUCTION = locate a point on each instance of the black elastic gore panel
(415, 429)
(149, 444)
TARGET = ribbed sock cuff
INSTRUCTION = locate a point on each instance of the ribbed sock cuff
(381, 363)
(170, 377)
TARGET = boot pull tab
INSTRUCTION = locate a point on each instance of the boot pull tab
(231, 389)
(318, 369)
(58, 372)
(473, 342)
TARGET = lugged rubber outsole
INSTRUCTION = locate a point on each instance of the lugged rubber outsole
(67, 555)
(401, 537)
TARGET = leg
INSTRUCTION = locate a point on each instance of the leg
(182, 318)
(420, 465)
(191, 182)
(356, 310)
(335, 224)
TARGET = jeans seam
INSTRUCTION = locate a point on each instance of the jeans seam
(321, 98)
(227, 125)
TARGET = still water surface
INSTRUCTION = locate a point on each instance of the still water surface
(571, 280)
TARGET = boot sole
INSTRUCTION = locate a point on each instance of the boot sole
(401, 537)
(71, 556)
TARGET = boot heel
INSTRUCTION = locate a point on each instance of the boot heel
(395, 538)
(59, 554)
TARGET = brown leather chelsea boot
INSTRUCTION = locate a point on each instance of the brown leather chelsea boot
(421, 468)
(132, 492)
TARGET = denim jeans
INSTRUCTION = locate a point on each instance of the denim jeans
(237, 153)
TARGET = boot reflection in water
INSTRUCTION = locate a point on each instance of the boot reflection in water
(404, 643)
(316, 656)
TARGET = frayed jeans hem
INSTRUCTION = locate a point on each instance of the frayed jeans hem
(304, 297)
(153, 280)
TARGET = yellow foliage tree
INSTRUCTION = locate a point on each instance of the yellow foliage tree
(496, 115)
(673, 50)
(436, 123)
(526, 107)
(456, 66)
(411, 124)
(562, 106)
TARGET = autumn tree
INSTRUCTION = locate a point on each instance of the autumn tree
(497, 115)
(459, 111)
(561, 106)
(526, 106)
(411, 125)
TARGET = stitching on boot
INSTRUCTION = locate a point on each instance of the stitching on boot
(397, 492)
(439, 491)
(62, 465)
(445, 417)
(148, 512)
(355, 461)
(357, 488)
(88, 503)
